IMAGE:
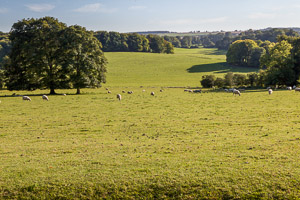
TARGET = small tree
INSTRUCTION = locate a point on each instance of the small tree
(220, 82)
(229, 79)
(208, 81)
(252, 79)
(239, 79)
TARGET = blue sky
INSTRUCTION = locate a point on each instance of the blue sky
(150, 15)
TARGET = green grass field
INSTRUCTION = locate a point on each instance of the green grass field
(184, 68)
(174, 145)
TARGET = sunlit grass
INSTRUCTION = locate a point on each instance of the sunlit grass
(173, 145)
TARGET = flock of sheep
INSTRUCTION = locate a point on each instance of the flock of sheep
(232, 90)
(27, 98)
(119, 97)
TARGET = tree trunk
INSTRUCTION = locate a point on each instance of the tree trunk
(78, 91)
(52, 91)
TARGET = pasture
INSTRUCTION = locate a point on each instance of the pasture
(174, 145)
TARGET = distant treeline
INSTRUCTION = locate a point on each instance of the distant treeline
(133, 42)
(279, 63)
(223, 40)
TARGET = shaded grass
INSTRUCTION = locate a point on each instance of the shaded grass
(219, 68)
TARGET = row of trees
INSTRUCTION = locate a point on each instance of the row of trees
(222, 40)
(133, 42)
(230, 80)
(45, 53)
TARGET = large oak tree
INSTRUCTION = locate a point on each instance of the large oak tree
(47, 54)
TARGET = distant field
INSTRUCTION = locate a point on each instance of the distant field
(174, 145)
(184, 68)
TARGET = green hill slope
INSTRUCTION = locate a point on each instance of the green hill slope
(184, 68)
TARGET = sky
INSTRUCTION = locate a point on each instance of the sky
(156, 15)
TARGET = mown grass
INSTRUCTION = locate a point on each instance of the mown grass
(175, 145)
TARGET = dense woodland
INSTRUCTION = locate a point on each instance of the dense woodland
(133, 42)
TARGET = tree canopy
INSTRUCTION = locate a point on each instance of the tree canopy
(45, 53)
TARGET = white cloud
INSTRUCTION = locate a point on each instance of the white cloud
(262, 16)
(40, 7)
(96, 7)
(193, 21)
(3, 10)
(137, 8)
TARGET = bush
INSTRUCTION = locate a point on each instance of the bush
(208, 81)
(220, 82)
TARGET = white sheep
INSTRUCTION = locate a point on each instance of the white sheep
(44, 97)
(119, 97)
(270, 91)
(130, 92)
(289, 88)
(109, 92)
(123, 91)
(152, 93)
(235, 92)
(297, 89)
(144, 91)
(64, 94)
(26, 98)
(161, 90)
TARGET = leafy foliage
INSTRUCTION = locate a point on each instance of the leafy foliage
(45, 53)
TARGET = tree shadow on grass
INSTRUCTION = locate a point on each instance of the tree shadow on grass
(215, 52)
(221, 67)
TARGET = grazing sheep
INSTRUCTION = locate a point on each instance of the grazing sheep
(226, 90)
(161, 90)
(235, 92)
(123, 91)
(44, 97)
(191, 91)
(289, 88)
(270, 91)
(106, 88)
(197, 91)
(152, 93)
(26, 98)
(297, 89)
(108, 92)
(119, 97)
(130, 92)
(144, 90)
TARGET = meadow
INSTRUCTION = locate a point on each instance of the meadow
(174, 145)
